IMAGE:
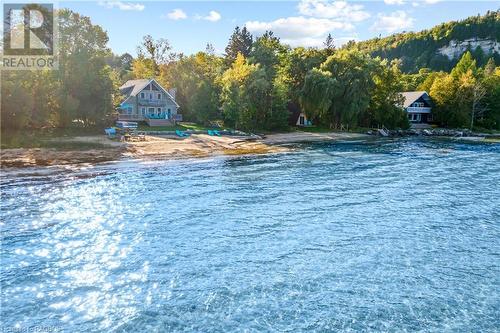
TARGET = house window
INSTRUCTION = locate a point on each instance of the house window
(151, 111)
(159, 96)
(142, 95)
(143, 112)
(429, 117)
(158, 111)
(414, 116)
(150, 96)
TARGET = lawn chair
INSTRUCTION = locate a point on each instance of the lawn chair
(181, 134)
(216, 132)
(110, 132)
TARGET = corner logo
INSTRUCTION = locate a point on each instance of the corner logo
(28, 36)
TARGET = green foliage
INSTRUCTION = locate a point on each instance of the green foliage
(240, 42)
(251, 86)
(491, 117)
(79, 92)
(294, 67)
(340, 90)
(456, 95)
(250, 100)
(384, 109)
(196, 79)
(419, 49)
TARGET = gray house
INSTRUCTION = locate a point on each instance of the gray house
(146, 100)
(418, 106)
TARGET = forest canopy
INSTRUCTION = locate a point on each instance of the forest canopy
(251, 86)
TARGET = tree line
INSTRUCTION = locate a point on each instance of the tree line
(418, 50)
(250, 87)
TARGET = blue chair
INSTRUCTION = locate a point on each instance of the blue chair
(182, 134)
(216, 132)
(110, 132)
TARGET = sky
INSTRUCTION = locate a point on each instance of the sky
(190, 25)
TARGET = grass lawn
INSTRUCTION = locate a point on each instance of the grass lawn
(182, 126)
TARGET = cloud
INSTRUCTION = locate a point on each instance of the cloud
(299, 30)
(394, 2)
(122, 5)
(212, 16)
(339, 10)
(177, 14)
(424, 2)
(395, 21)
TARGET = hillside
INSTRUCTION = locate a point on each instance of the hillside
(440, 48)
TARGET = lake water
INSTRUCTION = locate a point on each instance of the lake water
(379, 235)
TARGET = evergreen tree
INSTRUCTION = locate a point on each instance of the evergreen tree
(489, 68)
(240, 42)
(329, 44)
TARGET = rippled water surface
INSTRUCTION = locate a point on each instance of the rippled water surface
(347, 236)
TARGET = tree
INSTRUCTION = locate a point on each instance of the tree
(249, 100)
(294, 67)
(84, 78)
(151, 54)
(491, 101)
(126, 61)
(478, 108)
(386, 101)
(239, 42)
(17, 100)
(340, 90)
(196, 78)
(156, 50)
(489, 68)
(464, 65)
(329, 44)
(267, 51)
(210, 49)
(144, 68)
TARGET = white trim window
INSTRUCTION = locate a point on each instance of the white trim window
(143, 112)
(415, 116)
(142, 95)
(159, 96)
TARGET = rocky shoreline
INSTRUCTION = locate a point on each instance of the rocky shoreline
(443, 132)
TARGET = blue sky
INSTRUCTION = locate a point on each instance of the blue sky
(190, 25)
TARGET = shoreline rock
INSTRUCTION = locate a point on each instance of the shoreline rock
(442, 132)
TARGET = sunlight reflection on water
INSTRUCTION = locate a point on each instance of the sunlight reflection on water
(376, 235)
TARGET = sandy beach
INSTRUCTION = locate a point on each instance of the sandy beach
(162, 147)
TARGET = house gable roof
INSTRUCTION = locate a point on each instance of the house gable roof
(412, 96)
(133, 87)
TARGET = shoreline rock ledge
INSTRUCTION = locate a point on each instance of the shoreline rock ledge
(431, 132)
